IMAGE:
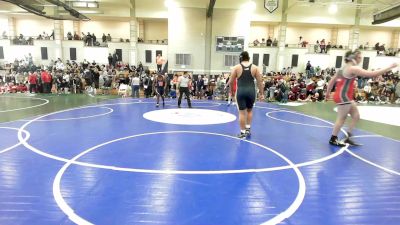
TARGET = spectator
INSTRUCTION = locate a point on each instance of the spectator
(109, 39)
(94, 38)
(382, 48)
(275, 43)
(135, 86)
(366, 46)
(32, 80)
(159, 62)
(308, 69)
(377, 48)
(256, 42)
(110, 59)
(269, 42)
(89, 40)
(104, 38)
(4, 35)
(84, 38)
(76, 36)
(46, 81)
(85, 64)
(52, 35)
(59, 65)
(323, 46)
(316, 46)
(328, 47)
(263, 43)
(69, 36)
(115, 59)
(30, 59)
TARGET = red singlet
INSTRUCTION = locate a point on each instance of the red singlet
(344, 93)
(234, 87)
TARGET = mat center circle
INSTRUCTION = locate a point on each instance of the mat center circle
(189, 116)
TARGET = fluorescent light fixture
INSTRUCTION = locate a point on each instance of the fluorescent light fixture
(170, 4)
(333, 8)
(4, 11)
(250, 6)
(90, 11)
(83, 4)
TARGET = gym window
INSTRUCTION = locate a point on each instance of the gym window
(231, 60)
(183, 59)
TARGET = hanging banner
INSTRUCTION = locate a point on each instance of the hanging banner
(271, 5)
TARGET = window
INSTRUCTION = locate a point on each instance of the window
(72, 53)
(183, 59)
(231, 60)
(256, 59)
(43, 50)
(148, 56)
(266, 60)
(1, 52)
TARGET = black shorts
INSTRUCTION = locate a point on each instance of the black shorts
(245, 98)
(160, 90)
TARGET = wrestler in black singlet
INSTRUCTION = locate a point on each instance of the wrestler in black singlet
(246, 89)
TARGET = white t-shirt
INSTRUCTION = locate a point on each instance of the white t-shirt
(183, 81)
(320, 84)
(205, 81)
(367, 89)
(136, 81)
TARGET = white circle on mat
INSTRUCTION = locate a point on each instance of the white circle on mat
(189, 116)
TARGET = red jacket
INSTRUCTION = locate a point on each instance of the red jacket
(46, 78)
(32, 78)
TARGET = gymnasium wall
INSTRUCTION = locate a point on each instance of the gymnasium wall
(68, 27)
(155, 29)
(374, 36)
(98, 54)
(187, 36)
(343, 36)
(11, 52)
(33, 27)
(322, 60)
(260, 31)
(141, 54)
(145, 10)
(3, 24)
(310, 34)
(227, 22)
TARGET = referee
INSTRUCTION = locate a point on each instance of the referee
(245, 73)
(183, 87)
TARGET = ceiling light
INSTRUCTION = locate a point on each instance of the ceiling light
(90, 11)
(4, 11)
(332, 9)
(170, 4)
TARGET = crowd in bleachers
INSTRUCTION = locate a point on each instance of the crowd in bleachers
(27, 40)
(323, 46)
(73, 77)
(90, 39)
(59, 77)
(286, 86)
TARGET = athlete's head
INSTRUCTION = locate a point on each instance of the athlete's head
(353, 57)
(244, 56)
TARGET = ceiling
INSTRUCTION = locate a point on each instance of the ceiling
(120, 9)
